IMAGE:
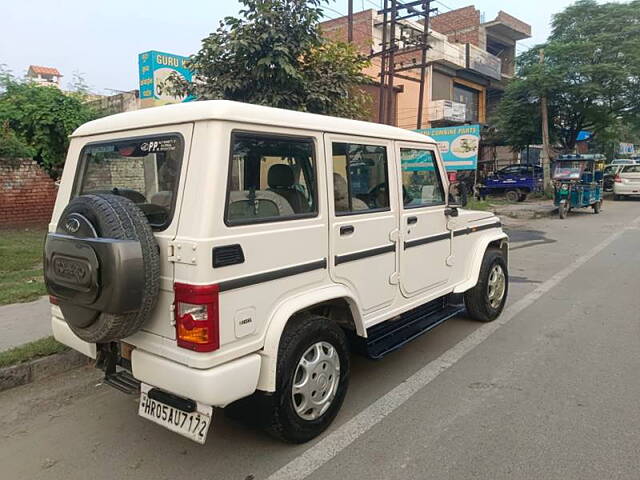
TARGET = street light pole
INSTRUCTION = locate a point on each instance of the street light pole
(546, 150)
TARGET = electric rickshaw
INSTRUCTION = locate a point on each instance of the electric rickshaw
(578, 182)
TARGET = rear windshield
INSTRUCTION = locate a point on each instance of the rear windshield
(145, 170)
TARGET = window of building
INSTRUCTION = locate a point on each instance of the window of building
(360, 178)
(272, 178)
(471, 98)
(421, 182)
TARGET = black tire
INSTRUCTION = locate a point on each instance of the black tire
(563, 210)
(597, 207)
(280, 417)
(117, 218)
(477, 300)
(523, 197)
(512, 196)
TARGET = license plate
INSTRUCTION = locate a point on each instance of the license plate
(194, 425)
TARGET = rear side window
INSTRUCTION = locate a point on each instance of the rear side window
(271, 178)
(360, 178)
(145, 170)
(631, 169)
(421, 182)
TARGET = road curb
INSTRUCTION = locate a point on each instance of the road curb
(526, 214)
(34, 370)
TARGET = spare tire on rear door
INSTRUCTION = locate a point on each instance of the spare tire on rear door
(103, 265)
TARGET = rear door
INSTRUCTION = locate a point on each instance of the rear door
(426, 248)
(148, 166)
(363, 225)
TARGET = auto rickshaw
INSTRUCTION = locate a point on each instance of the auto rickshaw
(577, 181)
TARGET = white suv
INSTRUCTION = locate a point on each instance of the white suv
(208, 252)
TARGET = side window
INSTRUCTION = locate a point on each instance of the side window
(360, 178)
(271, 178)
(421, 182)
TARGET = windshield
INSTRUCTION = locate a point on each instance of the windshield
(568, 170)
(145, 170)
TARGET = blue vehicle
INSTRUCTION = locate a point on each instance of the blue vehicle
(578, 183)
(515, 182)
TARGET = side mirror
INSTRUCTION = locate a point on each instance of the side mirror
(458, 195)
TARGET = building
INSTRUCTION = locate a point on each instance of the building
(46, 76)
(468, 63)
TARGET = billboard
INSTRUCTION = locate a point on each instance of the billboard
(627, 149)
(459, 146)
(154, 68)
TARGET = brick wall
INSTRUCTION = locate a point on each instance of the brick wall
(461, 25)
(27, 194)
(336, 30)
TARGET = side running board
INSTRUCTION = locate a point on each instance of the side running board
(393, 334)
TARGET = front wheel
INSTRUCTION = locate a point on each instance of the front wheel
(312, 379)
(486, 300)
(563, 210)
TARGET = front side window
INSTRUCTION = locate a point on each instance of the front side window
(145, 170)
(360, 179)
(271, 178)
(421, 182)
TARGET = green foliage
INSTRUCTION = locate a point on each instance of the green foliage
(30, 351)
(591, 75)
(42, 118)
(11, 146)
(275, 55)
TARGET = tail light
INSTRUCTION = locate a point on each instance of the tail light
(618, 179)
(197, 317)
(54, 300)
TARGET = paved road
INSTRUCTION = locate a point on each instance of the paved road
(24, 322)
(549, 391)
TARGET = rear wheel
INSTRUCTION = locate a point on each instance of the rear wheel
(486, 300)
(312, 379)
(512, 196)
(597, 207)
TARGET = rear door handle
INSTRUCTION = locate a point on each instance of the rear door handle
(347, 230)
(412, 220)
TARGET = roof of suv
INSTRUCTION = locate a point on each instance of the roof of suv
(244, 113)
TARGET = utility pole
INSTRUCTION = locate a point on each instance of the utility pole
(350, 22)
(546, 150)
(392, 48)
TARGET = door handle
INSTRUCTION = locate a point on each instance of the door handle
(412, 220)
(347, 230)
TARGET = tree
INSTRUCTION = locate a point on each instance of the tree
(591, 75)
(274, 55)
(41, 118)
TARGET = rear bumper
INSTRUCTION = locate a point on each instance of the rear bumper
(64, 334)
(626, 188)
(218, 386)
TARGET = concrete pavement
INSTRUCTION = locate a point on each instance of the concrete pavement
(24, 322)
(550, 394)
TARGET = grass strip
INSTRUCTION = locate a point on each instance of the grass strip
(32, 350)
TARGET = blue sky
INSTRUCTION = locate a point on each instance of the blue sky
(101, 39)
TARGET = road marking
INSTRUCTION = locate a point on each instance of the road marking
(331, 445)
